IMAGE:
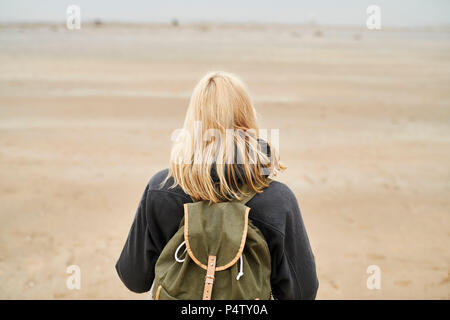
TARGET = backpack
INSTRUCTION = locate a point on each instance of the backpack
(217, 253)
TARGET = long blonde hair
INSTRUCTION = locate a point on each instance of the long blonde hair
(219, 130)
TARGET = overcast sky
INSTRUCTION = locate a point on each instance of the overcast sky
(341, 12)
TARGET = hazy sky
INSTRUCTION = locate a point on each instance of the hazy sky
(350, 12)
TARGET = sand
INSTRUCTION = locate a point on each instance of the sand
(364, 119)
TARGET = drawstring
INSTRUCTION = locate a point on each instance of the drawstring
(241, 268)
(176, 252)
(241, 263)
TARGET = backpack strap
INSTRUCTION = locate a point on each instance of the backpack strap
(250, 192)
(209, 278)
(247, 198)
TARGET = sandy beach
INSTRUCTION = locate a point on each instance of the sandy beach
(364, 119)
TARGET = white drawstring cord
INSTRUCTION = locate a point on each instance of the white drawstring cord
(241, 263)
(176, 252)
(241, 268)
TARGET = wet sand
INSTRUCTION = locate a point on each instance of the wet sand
(364, 120)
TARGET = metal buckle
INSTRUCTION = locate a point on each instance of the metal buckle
(209, 279)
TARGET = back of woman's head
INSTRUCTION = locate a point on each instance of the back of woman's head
(219, 149)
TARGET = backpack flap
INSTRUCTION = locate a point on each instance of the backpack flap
(218, 230)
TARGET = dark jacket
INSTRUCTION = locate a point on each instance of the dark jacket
(275, 212)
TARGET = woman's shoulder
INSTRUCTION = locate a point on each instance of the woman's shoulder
(277, 191)
(275, 206)
(156, 181)
(159, 185)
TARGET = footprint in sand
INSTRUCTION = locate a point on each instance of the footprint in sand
(445, 280)
(333, 284)
(402, 283)
(374, 256)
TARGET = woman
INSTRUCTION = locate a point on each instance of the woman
(218, 151)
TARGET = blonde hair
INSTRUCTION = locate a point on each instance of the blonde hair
(205, 168)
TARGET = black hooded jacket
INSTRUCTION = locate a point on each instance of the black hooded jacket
(275, 212)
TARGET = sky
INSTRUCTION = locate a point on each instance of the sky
(329, 12)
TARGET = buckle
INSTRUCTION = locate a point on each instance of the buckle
(209, 279)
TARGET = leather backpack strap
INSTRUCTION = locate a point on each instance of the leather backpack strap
(250, 192)
(209, 278)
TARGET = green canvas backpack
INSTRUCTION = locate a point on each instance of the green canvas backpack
(225, 256)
